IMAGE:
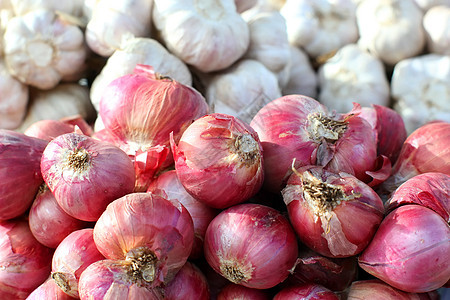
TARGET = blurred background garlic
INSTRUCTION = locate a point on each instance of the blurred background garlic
(427, 4)
(210, 35)
(243, 5)
(302, 77)
(139, 51)
(390, 29)
(13, 99)
(436, 23)
(269, 42)
(72, 7)
(41, 49)
(420, 88)
(320, 26)
(242, 90)
(114, 21)
(352, 75)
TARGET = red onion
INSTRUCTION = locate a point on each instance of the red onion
(188, 284)
(140, 110)
(48, 291)
(114, 279)
(425, 150)
(49, 129)
(75, 253)
(308, 291)
(335, 274)
(252, 245)
(431, 190)
(410, 250)
(378, 290)
(20, 172)
(49, 223)
(24, 262)
(219, 160)
(299, 127)
(154, 234)
(390, 129)
(201, 214)
(85, 174)
(238, 292)
(322, 206)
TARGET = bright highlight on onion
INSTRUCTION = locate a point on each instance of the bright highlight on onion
(85, 174)
(334, 214)
(252, 245)
(219, 160)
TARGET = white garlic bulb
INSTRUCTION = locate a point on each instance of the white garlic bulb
(139, 51)
(302, 77)
(269, 42)
(425, 5)
(13, 99)
(65, 100)
(420, 87)
(320, 26)
(209, 34)
(436, 23)
(352, 75)
(390, 29)
(114, 21)
(242, 90)
(41, 49)
(72, 7)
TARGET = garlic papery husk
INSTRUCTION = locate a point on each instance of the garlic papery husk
(209, 34)
(390, 29)
(135, 51)
(320, 26)
(113, 21)
(41, 49)
(13, 99)
(269, 42)
(65, 100)
(436, 23)
(302, 77)
(73, 7)
(242, 90)
(352, 75)
(420, 87)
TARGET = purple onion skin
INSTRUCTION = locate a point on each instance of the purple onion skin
(410, 251)
(431, 190)
(85, 174)
(20, 172)
(235, 291)
(188, 284)
(306, 291)
(49, 290)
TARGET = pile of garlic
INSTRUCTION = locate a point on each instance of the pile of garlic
(56, 57)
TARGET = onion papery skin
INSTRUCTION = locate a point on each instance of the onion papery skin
(73, 255)
(49, 291)
(427, 149)
(238, 292)
(306, 291)
(410, 250)
(149, 227)
(390, 129)
(49, 223)
(335, 274)
(375, 289)
(201, 213)
(252, 245)
(431, 190)
(20, 172)
(334, 214)
(112, 279)
(142, 109)
(24, 262)
(299, 127)
(219, 160)
(85, 174)
(189, 284)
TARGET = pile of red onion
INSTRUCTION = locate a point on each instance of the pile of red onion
(169, 201)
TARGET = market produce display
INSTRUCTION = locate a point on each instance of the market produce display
(224, 149)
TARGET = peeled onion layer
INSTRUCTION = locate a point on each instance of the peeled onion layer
(410, 250)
